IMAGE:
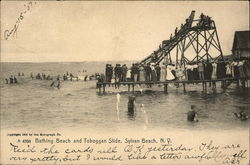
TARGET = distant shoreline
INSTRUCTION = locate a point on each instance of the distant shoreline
(73, 61)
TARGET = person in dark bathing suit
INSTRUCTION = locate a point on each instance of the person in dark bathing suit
(192, 115)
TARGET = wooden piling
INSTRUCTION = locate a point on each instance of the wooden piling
(103, 86)
(205, 87)
(184, 87)
(238, 83)
(100, 88)
(128, 87)
(165, 88)
(133, 88)
(243, 82)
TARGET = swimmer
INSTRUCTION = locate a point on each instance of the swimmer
(31, 75)
(85, 78)
(192, 115)
(15, 79)
(58, 84)
(11, 79)
(241, 115)
(131, 104)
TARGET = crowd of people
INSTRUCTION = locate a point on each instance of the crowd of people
(41, 76)
(137, 72)
(239, 68)
(56, 79)
(12, 79)
(204, 70)
(65, 77)
(204, 20)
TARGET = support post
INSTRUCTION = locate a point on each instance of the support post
(103, 86)
(205, 87)
(100, 88)
(184, 87)
(128, 87)
(243, 82)
(133, 88)
(238, 83)
(223, 84)
(197, 47)
(165, 88)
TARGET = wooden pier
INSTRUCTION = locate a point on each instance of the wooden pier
(225, 82)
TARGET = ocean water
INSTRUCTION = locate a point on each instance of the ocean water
(33, 104)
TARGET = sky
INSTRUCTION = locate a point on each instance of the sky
(62, 31)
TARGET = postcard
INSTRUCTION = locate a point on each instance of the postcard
(125, 82)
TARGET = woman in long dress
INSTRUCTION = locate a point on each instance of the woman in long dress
(214, 71)
(232, 67)
(153, 73)
(180, 74)
(163, 72)
(228, 70)
(142, 73)
(128, 75)
(170, 75)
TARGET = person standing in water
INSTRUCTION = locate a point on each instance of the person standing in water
(192, 115)
(15, 80)
(131, 104)
(11, 79)
(31, 75)
(58, 84)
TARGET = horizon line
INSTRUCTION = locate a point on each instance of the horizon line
(61, 61)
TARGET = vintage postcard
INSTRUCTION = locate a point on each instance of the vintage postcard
(125, 82)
